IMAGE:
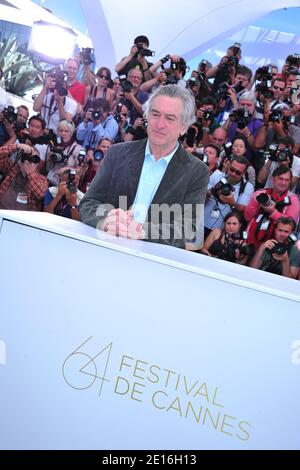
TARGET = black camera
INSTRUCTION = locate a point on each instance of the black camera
(241, 116)
(97, 114)
(232, 61)
(60, 78)
(223, 187)
(271, 152)
(10, 114)
(284, 154)
(223, 88)
(117, 115)
(204, 158)
(57, 156)
(70, 183)
(85, 56)
(126, 85)
(281, 248)
(192, 81)
(293, 71)
(208, 115)
(179, 66)
(144, 52)
(276, 115)
(171, 79)
(81, 157)
(264, 88)
(22, 156)
(264, 199)
(293, 60)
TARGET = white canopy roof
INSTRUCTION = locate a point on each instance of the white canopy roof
(188, 28)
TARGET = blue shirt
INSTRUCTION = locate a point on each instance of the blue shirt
(151, 175)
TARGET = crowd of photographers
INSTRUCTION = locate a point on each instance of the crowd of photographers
(247, 132)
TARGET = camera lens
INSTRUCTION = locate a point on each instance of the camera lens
(264, 199)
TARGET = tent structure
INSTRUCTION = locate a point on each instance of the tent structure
(187, 28)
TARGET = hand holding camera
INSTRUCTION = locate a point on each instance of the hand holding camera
(266, 203)
(26, 148)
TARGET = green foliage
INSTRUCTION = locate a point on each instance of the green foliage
(20, 75)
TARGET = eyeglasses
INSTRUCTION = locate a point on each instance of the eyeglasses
(278, 88)
(234, 170)
(105, 77)
(124, 114)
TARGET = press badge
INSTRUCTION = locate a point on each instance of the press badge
(22, 198)
(50, 175)
(265, 224)
(215, 213)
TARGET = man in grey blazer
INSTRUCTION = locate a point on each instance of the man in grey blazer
(151, 189)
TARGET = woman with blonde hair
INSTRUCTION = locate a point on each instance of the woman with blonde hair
(64, 152)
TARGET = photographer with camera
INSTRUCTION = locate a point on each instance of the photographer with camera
(229, 94)
(34, 136)
(22, 187)
(210, 156)
(64, 150)
(242, 121)
(52, 102)
(75, 88)
(268, 205)
(64, 199)
(100, 89)
(226, 192)
(136, 59)
(281, 254)
(91, 164)
(291, 68)
(206, 117)
(97, 123)
(134, 97)
(279, 154)
(122, 117)
(228, 243)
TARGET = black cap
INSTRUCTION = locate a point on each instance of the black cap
(142, 39)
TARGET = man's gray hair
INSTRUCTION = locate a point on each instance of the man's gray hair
(174, 91)
(249, 96)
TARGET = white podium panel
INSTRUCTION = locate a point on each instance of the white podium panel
(108, 343)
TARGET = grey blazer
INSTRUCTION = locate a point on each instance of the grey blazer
(184, 183)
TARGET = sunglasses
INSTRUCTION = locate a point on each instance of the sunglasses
(105, 77)
(278, 88)
(124, 114)
(234, 170)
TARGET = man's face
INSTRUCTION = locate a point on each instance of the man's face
(35, 128)
(247, 104)
(281, 183)
(278, 89)
(71, 68)
(242, 78)
(104, 146)
(235, 172)
(212, 154)
(219, 136)
(165, 122)
(22, 116)
(282, 231)
(291, 80)
(136, 79)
